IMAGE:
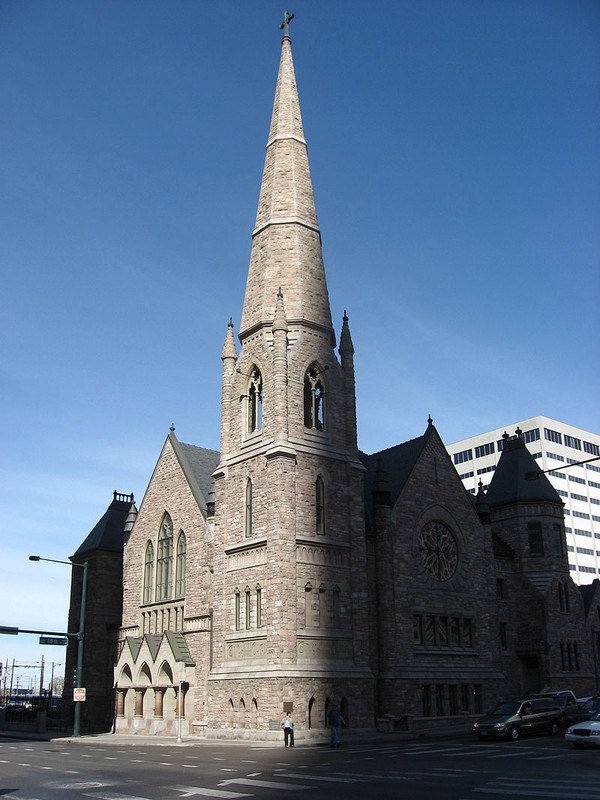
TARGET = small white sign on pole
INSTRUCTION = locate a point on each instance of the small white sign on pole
(79, 694)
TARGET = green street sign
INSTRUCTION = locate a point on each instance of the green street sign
(60, 640)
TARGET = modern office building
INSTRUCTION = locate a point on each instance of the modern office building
(559, 449)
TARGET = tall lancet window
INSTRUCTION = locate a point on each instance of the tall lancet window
(314, 399)
(248, 509)
(255, 401)
(320, 505)
(148, 573)
(164, 560)
(180, 565)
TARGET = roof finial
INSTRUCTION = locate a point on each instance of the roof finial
(172, 428)
(287, 18)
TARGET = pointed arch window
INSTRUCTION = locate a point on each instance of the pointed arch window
(320, 505)
(255, 401)
(248, 608)
(258, 605)
(148, 573)
(314, 399)
(237, 609)
(164, 560)
(248, 509)
(180, 565)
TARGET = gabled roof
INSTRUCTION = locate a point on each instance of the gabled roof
(518, 478)
(109, 532)
(178, 646)
(198, 465)
(175, 640)
(590, 593)
(395, 465)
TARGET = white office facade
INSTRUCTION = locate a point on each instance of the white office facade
(557, 447)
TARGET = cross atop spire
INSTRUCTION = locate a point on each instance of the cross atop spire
(287, 18)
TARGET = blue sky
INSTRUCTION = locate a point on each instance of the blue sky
(455, 154)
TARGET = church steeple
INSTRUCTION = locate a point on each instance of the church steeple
(286, 241)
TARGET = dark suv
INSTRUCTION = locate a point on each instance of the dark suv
(513, 718)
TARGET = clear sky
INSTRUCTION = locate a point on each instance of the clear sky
(455, 154)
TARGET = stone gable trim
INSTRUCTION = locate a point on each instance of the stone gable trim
(203, 623)
(246, 554)
(310, 551)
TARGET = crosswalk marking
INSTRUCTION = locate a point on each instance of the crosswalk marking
(190, 791)
(113, 796)
(304, 776)
(289, 787)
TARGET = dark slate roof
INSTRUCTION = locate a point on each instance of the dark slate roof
(135, 645)
(108, 533)
(178, 646)
(198, 465)
(588, 592)
(510, 485)
(396, 465)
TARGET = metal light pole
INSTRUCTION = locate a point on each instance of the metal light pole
(80, 634)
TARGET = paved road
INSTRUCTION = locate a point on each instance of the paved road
(459, 769)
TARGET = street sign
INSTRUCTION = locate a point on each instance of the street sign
(60, 640)
(79, 694)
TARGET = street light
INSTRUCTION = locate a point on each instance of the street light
(80, 634)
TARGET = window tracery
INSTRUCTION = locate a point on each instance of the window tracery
(164, 560)
(148, 573)
(314, 399)
(180, 561)
(255, 388)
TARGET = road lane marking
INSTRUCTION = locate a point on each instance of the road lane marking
(190, 791)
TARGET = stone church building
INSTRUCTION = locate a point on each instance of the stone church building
(290, 571)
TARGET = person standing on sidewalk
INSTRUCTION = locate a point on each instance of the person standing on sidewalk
(335, 719)
(288, 729)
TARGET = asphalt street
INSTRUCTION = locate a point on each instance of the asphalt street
(460, 768)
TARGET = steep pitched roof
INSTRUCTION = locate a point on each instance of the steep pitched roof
(518, 478)
(198, 465)
(108, 534)
(394, 464)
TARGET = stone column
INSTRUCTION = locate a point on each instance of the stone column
(138, 709)
(159, 695)
(121, 702)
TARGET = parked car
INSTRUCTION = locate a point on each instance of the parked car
(513, 718)
(567, 701)
(585, 732)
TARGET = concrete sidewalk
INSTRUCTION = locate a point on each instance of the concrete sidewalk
(349, 737)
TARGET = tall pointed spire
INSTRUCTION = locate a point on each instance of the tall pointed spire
(286, 244)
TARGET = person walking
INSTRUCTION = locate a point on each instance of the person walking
(288, 729)
(335, 719)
